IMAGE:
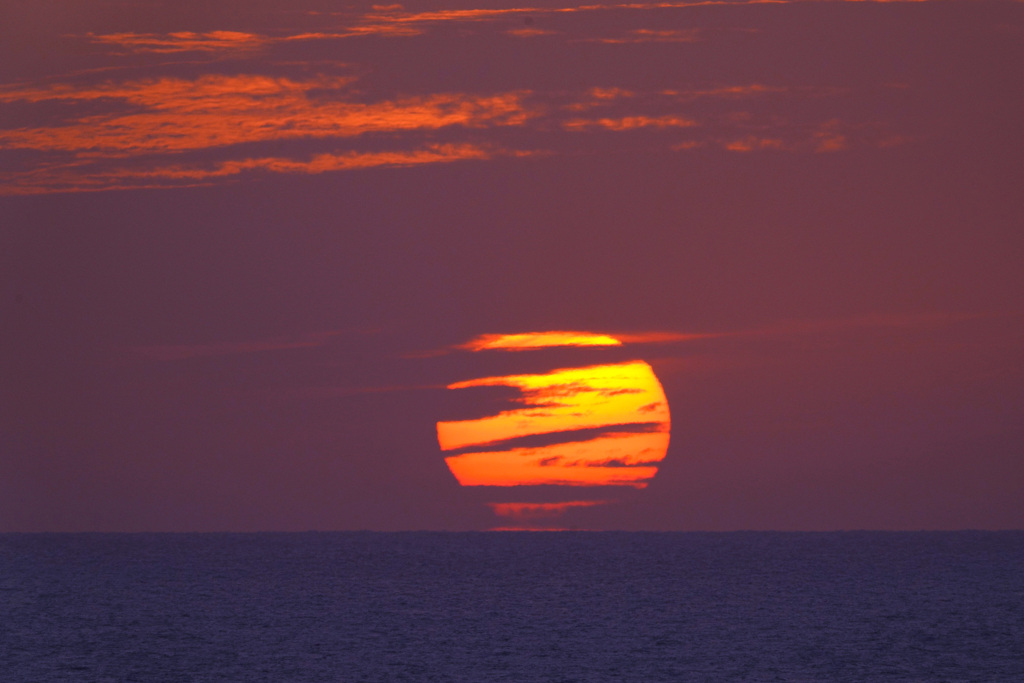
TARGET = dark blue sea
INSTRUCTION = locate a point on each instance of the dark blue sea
(561, 606)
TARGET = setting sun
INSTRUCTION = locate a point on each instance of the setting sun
(602, 425)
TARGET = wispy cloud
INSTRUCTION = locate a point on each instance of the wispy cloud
(165, 131)
(630, 123)
(529, 32)
(183, 41)
(216, 111)
(73, 178)
(397, 14)
(753, 143)
(830, 136)
(145, 125)
(228, 42)
(397, 21)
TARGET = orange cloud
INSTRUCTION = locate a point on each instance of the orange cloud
(183, 41)
(611, 97)
(143, 122)
(599, 97)
(231, 41)
(829, 138)
(752, 143)
(149, 132)
(610, 93)
(529, 32)
(630, 123)
(323, 163)
(216, 111)
(77, 180)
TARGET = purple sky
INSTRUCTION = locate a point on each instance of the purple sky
(240, 240)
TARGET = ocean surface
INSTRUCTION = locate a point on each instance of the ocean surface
(563, 606)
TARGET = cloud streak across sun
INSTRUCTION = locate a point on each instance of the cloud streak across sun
(597, 425)
(537, 340)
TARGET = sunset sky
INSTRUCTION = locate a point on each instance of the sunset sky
(257, 257)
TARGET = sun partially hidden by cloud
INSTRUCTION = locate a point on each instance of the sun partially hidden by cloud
(619, 410)
(566, 432)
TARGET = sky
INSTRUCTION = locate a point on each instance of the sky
(465, 265)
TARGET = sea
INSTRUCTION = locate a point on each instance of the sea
(512, 606)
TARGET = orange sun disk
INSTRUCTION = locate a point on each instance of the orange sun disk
(622, 403)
